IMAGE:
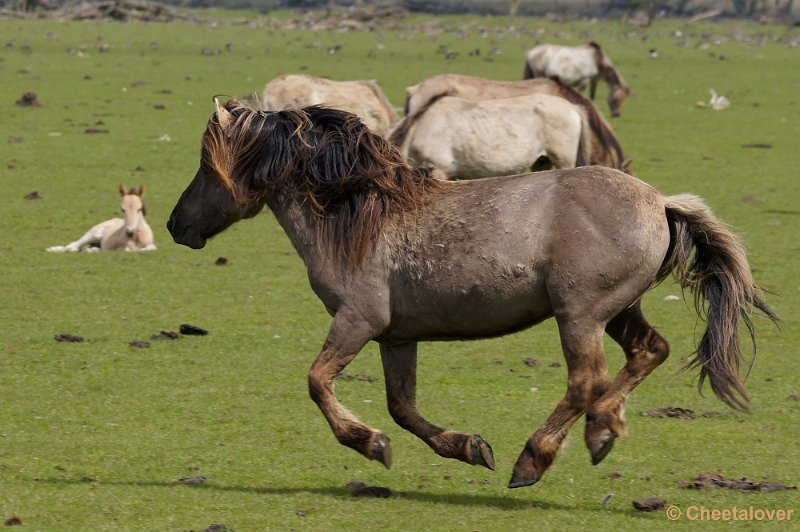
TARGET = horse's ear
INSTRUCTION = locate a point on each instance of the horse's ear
(626, 165)
(224, 117)
(122, 190)
(140, 191)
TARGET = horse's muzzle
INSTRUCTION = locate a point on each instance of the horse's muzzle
(184, 236)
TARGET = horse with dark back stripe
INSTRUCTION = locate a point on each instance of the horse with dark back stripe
(397, 256)
(467, 139)
(603, 147)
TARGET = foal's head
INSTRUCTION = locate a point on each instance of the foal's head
(133, 208)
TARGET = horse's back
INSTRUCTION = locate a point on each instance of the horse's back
(503, 253)
(473, 88)
(571, 64)
(468, 139)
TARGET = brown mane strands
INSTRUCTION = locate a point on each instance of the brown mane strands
(353, 179)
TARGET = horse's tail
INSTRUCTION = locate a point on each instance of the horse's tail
(584, 155)
(528, 73)
(399, 135)
(603, 146)
(724, 291)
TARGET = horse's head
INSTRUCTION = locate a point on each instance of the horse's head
(133, 208)
(616, 96)
(214, 200)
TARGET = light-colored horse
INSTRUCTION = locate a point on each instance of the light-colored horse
(364, 98)
(398, 257)
(604, 149)
(467, 139)
(579, 67)
(131, 233)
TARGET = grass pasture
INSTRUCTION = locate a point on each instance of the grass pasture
(96, 435)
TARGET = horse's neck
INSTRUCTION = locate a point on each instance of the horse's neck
(297, 221)
(145, 233)
(143, 225)
(610, 75)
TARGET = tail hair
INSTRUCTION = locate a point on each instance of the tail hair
(528, 72)
(709, 259)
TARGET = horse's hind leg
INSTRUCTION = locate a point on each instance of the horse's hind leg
(400, 371)
(92, 237)
(344, 341)
(587, 379)
(645, 350)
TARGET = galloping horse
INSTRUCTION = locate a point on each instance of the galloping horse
(131, 233)
(468, 139)
(604, 148)
(398, 256)
(578, 66)
(361, 97)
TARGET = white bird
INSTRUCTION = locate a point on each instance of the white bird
(718, 102)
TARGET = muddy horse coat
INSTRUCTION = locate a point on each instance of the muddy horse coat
(397, 257)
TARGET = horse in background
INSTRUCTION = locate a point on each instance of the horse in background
(604, 148)
(364, 98)
(467, 139)
(397, 256)
(131, 233)
(579, 67)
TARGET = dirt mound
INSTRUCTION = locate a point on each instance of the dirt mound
(714, 480)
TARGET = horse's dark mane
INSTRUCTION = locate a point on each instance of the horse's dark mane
(606, 71)
(352, 179)
(400, 133)
(599, 57)
(611, 76)
(598, 125)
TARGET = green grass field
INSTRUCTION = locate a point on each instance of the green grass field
(96, 435)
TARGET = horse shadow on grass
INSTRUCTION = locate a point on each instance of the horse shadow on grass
(341, 493)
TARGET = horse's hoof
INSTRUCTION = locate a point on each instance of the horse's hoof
(480, 452)
(600, 445)
(525, 471)
(380, 450)
(519, 480)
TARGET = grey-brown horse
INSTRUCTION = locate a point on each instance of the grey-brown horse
(398, 257)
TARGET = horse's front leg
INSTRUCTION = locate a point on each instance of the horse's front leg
(587, 379)
(400, 372)
(344, 341)
(592, 87)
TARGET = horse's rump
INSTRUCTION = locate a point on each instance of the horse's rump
(363, 98)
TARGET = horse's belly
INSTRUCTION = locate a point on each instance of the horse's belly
(480, 309)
